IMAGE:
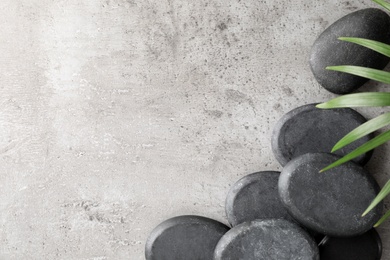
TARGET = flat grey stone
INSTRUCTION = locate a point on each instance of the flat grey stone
(307, 129)
(331, 202)
(184, 237)
(327, 50)
(255, 196)
(272, 239)
(367, 246)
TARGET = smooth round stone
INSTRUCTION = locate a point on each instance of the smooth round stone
(272, 239)
(255, 196)
(308, 129)
(327, 50)
(330, 202)
(364, 247)
(184, 237)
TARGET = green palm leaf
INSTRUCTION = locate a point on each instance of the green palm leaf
(373, 45)
(383, 3)
(366, 99)
(368, 146)
(381, 195)
(374, 74)
(363, 100)
(386, 216)
(363, 130)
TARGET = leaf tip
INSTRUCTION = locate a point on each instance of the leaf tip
(335, 68)
(327, 168)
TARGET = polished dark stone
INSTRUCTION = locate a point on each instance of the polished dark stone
(184, 237)
(255, 196)
(308, 129)
(367, 246)
(331, 202)
(327, 50)
(266, 239)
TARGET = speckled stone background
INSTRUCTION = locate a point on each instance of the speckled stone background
(118, 114)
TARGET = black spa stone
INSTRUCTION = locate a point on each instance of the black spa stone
(308, 129)
(327, 50)
(255, 196)
(184, 237)
(367, 246)
(330, 202)
(272, 239)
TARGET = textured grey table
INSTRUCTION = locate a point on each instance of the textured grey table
(118, 114)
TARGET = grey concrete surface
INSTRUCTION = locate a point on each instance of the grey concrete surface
(118, 114)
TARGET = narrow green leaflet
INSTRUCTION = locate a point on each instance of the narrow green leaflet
(387, 215)
(362, 130)
(383, 3)
(375, 142)
(381, 195)
(365, 99)
(373, 45)
(374, 74)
